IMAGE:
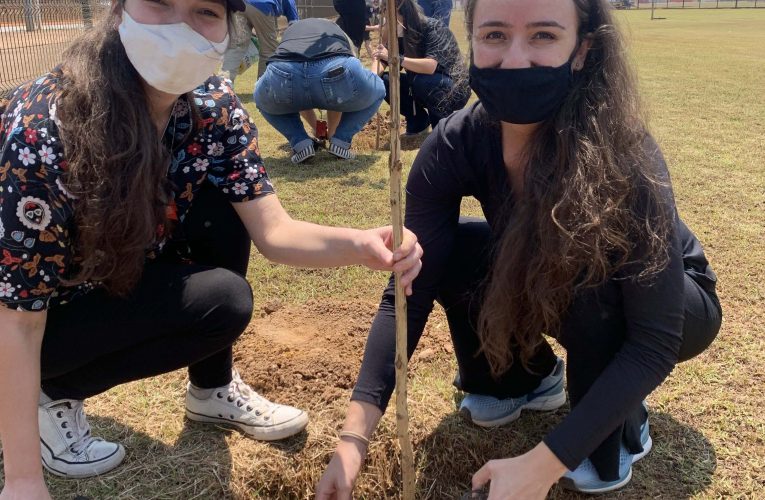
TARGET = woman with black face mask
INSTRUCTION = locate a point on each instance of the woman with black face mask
(131, 190)
(581, 242)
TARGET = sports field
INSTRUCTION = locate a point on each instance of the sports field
(702, 74)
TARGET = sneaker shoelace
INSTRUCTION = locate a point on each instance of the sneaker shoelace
(78, 435)
(243, 395)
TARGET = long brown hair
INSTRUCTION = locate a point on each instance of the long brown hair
(117, 164)
(593, 205)
(413, 19)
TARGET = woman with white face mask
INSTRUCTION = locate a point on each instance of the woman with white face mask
(131, 188)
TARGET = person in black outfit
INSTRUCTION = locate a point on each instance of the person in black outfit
(352, 20)
(433, 83)
(582, 242)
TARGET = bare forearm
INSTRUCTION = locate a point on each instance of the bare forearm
(19, 393)
(303, 244)
(333, 120)
(309, 115)
(362, 418)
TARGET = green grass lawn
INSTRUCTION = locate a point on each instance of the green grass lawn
(702, 75)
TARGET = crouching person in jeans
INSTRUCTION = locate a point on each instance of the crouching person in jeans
(314, 67)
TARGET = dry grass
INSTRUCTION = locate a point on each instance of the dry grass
(702, 75)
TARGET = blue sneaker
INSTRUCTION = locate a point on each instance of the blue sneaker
(585, 478)
(488, 411)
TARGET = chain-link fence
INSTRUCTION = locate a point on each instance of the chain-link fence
(34, 33)
(315, 8)
(688, 4)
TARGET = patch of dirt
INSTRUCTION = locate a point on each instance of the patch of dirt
(367, 137)
(309, 355)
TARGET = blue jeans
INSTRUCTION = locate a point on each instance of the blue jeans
(287, 87)
(437, 9)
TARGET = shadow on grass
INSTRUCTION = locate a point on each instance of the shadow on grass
(246, 97)
(197, 465)
(322, 166)
(680, 465)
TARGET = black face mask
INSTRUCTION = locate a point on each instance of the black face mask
(523, 95)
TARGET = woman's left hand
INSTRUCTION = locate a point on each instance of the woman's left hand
(376, 247)
(529, 476)
(381, 53)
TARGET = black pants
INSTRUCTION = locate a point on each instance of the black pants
(180, 313)
(353, 19)
(587, 354)
(426, 99)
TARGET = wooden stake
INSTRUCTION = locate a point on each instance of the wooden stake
(402, 414)
(377, 133)
(377, 115)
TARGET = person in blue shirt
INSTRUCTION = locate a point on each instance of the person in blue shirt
(260, 16)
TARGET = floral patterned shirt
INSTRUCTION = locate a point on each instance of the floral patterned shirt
(36, 210)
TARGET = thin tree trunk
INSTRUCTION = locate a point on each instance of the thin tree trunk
(397, 212)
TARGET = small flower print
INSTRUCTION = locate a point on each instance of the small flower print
(30, 136)
(240, 188)
(251, 173)
(194, 149)
(215, 149)
(46, 155)
(200, 165)
(6, 290)
(181, 109)
(27, 157)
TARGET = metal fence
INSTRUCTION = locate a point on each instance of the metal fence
(315, 8)
(34, 33)
(688, 4)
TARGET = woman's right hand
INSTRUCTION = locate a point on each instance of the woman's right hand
(25, 490)
(337, 481)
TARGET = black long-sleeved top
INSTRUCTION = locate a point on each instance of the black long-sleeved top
(463, 157)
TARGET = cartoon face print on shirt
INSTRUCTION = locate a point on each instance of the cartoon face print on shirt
(33, 213)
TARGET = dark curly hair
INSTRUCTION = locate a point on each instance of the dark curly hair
(593, 203)
(117, 164)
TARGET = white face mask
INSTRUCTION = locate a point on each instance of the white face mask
(172, 58)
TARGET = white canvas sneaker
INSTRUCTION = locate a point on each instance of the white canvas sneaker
(66, 445)
(238, 405)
